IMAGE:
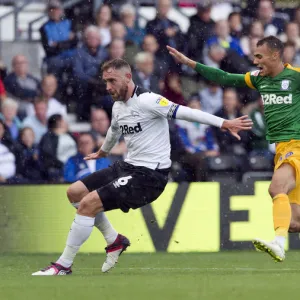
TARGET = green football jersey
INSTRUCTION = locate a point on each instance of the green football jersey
(281, 98)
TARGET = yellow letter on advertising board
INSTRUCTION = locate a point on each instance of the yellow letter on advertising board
(198, 225)
(259, 207)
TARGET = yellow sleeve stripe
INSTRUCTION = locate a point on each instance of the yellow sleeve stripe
(288, 66)
(248, 81)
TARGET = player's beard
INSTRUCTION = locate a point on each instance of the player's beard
(122, 94)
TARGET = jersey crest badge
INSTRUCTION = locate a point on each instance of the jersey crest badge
(285, 85)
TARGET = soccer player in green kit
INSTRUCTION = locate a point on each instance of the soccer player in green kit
(279, 86)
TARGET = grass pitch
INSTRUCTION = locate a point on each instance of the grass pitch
(213, 276)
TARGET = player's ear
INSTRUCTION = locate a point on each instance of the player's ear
(128, 77)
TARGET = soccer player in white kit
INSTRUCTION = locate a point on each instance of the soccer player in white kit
(142, 117)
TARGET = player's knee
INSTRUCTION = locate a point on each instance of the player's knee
(71, 194)
(90, 205)
(85, 206)
(76, 192)
(275, 189)
(294, 227)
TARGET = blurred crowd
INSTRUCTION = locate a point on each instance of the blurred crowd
(35, 142)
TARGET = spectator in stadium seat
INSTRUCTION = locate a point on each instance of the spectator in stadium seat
(173, 88)
(230, 110)
(201, 28)
(100, 124)
(87, 61)
(76, 167)
(20, 84)
(2, 91)
(7, 156)
(55, 148)
(103, 22)
(118, 30)
(116, 49)
(296, 18)
(134, 33)
(38, 121)
(258, 143)
(256, 30)
(9, 109)
(292, 34)
(29, 166)
(235, 25)
(166, 32)
(150, 45)
(223, 39)
(58, 39)
(266, 14)
(199, 143)
(290, 54)
(143, 72)
(211, 98)
(214, 55)
(49, 88)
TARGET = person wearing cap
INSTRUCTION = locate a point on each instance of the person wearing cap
(200, 30)
(58, 39)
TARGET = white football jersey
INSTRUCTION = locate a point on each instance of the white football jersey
(143, 122)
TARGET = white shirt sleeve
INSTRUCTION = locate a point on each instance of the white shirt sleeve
(112, 136)
(157, 105)
(196, 115)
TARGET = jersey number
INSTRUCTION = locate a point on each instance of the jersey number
(121, 181)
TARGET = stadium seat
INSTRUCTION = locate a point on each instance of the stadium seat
(223, 162)
(259, 162)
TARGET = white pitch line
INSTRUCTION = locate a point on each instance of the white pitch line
(201, 269)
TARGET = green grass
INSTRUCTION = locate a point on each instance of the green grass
(213, 276)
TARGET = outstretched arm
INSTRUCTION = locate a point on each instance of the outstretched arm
(195, 115)
(212, 74)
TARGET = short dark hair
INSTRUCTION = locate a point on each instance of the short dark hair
(53, 121)
(290, 44)
(117, 63)
(38, 100)
(273, 43)
(232, 14)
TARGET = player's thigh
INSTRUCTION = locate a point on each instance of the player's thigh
(283, 180)
(134, 190)
(100, 178)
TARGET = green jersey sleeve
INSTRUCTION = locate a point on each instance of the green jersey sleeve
(223, 78)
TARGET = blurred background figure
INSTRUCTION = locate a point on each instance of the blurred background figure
(7, 155)
(29, 166)
(166, 32)
(143, 73)
(48, 93)
(58, 39)
(21, 84)
(38, 120)
(100, 124)
(87, 61)
(172, 89)
(76, 167)
(134, 33)
(202, 27)
(55, 148)
(199, 144)
(230, 110)
(9, 109)
(103, 22)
